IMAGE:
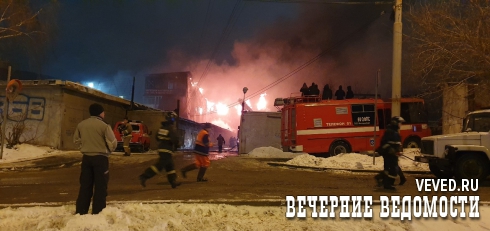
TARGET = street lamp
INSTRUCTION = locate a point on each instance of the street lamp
(240, 128)
(245, 89)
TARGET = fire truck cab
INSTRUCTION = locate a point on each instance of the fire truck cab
(316, 126)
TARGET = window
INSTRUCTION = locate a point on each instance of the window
(413, 113)
(363, 114)
(136, 128)
(479, 122)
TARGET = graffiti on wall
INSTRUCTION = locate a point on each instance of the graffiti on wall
(24, 108)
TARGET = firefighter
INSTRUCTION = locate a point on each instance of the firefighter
(327, 92)
(390, 149)
(169, 140)
(350, 93)
(96, 141)
(304, 90)
(340, 94)
(201, 154)
(221, 141)
(126, 134)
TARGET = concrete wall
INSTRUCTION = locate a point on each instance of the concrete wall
(260, 129)
(39, 108)
(75, 109)
(460, 99)
(455, 107)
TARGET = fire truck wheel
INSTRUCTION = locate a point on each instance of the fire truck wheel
(412, 142)
(339, 147)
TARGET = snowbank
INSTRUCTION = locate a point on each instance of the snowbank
(134, 216)
(26, 152)
(271, 152)
(357, 161)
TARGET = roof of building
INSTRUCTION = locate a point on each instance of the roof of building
(82, 89)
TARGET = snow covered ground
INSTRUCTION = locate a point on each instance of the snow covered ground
(138, 216)
(271, 152)
(27, 152)
(358, 161)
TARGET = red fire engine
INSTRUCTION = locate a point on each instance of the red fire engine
(317, 126)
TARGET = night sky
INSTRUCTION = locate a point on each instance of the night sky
(108, 42)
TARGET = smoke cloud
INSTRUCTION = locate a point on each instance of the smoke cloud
(357, 41)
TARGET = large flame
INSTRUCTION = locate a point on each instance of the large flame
(262, 104)
(218, 112)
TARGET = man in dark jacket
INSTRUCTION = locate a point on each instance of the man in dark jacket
(221, 142)
(350, 93)
(304, 90)
(340, 94)
(201, 154)
(96, 141)
(327, 92)
(390, 148)
(169, 140)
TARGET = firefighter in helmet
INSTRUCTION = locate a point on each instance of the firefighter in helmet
(126, 134)
(390, 149)
(169, 140)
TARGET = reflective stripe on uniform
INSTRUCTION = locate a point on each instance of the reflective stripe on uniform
(165, 150)
(155, 169)
(390, 176)
(393, 142)
(171, 172)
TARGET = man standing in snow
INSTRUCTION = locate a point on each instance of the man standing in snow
(96, 141)
(201, 154)
(169, 140)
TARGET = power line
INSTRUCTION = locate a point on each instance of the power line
(302, 66)
(223, 34)
(203, 29)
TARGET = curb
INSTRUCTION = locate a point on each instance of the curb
(256, 202)
(35, 167)
(275, 164)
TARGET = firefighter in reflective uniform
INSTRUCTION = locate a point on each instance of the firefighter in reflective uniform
(390, 149)
(169, 140)
(126, 132)
(201, 154)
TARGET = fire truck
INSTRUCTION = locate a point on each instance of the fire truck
(316, 126)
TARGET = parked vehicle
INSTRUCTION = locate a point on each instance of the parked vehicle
(463, 155)
(140, 142)
(316, 126)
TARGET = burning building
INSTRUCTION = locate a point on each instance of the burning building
(163, 90)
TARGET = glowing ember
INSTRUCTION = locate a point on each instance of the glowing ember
(201, 90)
(262, 104)
(200, 111)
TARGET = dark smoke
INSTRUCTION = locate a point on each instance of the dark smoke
(357, 41)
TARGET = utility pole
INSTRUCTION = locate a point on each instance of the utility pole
(375, 114)
(396, 88)
(5, 113)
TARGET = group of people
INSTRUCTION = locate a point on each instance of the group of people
(96, 141)
(327, 94)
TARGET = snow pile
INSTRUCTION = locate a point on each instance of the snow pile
(271, 152)
(356, 161)
(26, 152)
(133, 216)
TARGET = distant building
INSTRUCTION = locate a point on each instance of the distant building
(162, 91)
